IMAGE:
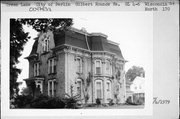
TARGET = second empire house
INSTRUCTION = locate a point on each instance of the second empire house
(77, 62)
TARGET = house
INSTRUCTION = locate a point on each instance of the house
(75, 62)
(129, 92)
(138, 88)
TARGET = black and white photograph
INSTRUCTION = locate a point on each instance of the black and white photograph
(79, 63)
(99, 59)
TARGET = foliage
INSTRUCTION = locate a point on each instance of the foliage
(18, 38)
(43, 24)
(86, 84)
(98, 101)
(135, 71)
(130, 102)
(21, 101)
(111, 102)
(71, 101)
(25, 91)
(43, 101)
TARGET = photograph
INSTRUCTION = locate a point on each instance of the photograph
(79, 63)
(87, 59)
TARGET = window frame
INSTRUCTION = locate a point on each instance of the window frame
(40, 83)
(101, 89)
(79, 65)
(109, 71)
(46, 43)
(100, 63)
(36, 69)
(52, 65)
(109, 90)
(81, 87)
(52, 88)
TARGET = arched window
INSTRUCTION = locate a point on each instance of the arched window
(108, 89)
(39, 84)
(108, 68)
(98, 89)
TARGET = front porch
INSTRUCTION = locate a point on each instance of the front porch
(35, 85)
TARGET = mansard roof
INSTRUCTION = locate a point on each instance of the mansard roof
(83, 40)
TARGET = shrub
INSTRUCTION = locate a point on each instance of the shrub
(98, 101)
(43, 101)
(71, 101)
(129, 101)
(21, 101)
(111, 102)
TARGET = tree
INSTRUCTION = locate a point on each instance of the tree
(18, 38)
(135, 71)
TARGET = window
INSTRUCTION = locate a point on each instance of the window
(108, 86)
(46, 43)
(108, 68)
(98, 67)
(98, 89)
(39, 85)
(108, 91)
(98, 86)
(51, 66)
(51, 88)
(118, 88)
(79, 65)
(79, 88)
(36, 69)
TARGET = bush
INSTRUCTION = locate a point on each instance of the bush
(111, 102)
(21, 101)
(129, 101)
(98, 101)
(43, 101)
(71, 101)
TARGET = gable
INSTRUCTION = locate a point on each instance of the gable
(41, 41)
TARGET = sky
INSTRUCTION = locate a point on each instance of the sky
(131, 30)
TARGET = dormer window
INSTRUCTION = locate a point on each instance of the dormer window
(46, 44)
